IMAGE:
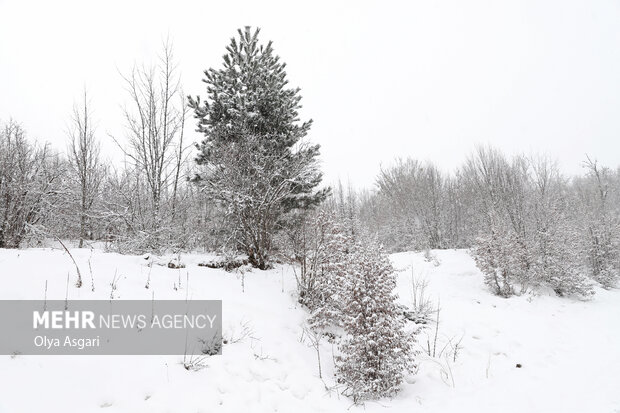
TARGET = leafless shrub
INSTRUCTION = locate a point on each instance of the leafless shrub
(314, 339)
(114, 284)
(422, 306)
(234, 335)
(431, 257)
(194, 362)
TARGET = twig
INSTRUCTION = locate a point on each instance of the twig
(45, 297)
(436, 327)
(113, 284)
(78, 284)
(92, 280)
(67, 294)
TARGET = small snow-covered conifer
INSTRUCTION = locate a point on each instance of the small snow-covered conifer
(375, 352)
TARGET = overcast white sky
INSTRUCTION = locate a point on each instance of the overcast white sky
(427, 79)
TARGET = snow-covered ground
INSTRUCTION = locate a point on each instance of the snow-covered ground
(569, 350)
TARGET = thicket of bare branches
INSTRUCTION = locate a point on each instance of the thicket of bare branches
(527, 224)
(156, 153)
(597, 213)
(30, 184)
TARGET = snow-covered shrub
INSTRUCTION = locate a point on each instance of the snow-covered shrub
(175, 263)
(600, 246)
(228, 261)
(598, 218)
(527, 238)
(421, 304)
(327, 273)
(553, 240)
(557, 262)
(375, 352)
(502, 260)
(500, 250)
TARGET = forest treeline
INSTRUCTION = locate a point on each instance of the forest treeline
(253, 184)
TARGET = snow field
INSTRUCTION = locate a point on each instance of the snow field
(569, 349)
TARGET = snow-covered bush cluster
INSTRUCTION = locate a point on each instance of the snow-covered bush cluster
(527, 224)
(535, 232)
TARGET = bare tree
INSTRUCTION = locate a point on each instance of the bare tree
(84, 162)
(155, 118)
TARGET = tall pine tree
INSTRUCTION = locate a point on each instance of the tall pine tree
(255, 161)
